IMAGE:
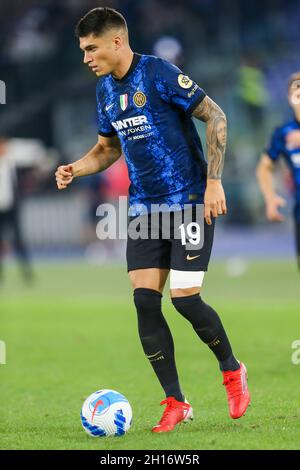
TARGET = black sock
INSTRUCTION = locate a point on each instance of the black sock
(208, 326)
(229, 364)
(157, 340)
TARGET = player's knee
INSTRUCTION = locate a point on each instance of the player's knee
(202, 317)
(185, 292)
(149, 315)
(147, 300)
(184, 304)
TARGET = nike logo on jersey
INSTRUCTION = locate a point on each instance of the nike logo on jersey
(189, 258)
(108, 107)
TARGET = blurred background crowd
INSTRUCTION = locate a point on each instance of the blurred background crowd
(241, 52)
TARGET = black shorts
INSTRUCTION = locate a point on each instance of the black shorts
(171, 253)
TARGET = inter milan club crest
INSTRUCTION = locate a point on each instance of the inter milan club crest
(139, 99)
(124, 101)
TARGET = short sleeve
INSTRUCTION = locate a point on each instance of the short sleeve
(276, 147)
(104, 126)
(177, 88)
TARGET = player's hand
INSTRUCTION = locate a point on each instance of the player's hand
(64, 176)
(272, 207)
(214, 200)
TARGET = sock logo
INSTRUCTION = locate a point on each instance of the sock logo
(155, 357)
(214, 343)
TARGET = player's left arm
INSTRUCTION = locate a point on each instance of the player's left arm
(216, 134)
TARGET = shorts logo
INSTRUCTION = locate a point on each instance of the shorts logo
(139, 99)
(184, 81)
(189, 258)
(124, 101)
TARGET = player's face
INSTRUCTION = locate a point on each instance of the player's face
(221, 133)
(101, 52)
(294, 95)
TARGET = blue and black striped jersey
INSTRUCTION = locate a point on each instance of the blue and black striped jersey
(283, 144)
(150, 109)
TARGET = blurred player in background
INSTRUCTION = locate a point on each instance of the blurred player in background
(145, 107)
(15, 155)
(285, 142)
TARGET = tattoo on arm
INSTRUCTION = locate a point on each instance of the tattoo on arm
(216, 134)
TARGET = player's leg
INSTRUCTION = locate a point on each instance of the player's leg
(155, 335)
(204, 319)
(150, 278)
(186, 277)
(19, 244)
(158, 345)
(154, 332)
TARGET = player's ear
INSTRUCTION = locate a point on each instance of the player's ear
(117, 42)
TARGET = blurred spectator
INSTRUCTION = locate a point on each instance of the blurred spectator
(252, 92)
(31, 40)
(15, 154)
(170, 49)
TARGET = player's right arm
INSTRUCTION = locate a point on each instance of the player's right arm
(101, 156)
(265, 177)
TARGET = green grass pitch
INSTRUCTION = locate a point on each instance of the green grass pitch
(74, 332)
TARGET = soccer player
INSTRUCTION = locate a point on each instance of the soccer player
(14, 155)
(145, 107)
(285, 142)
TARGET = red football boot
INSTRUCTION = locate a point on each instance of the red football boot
(175, 412)
(237, 391)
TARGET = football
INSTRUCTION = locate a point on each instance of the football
(106, 413)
